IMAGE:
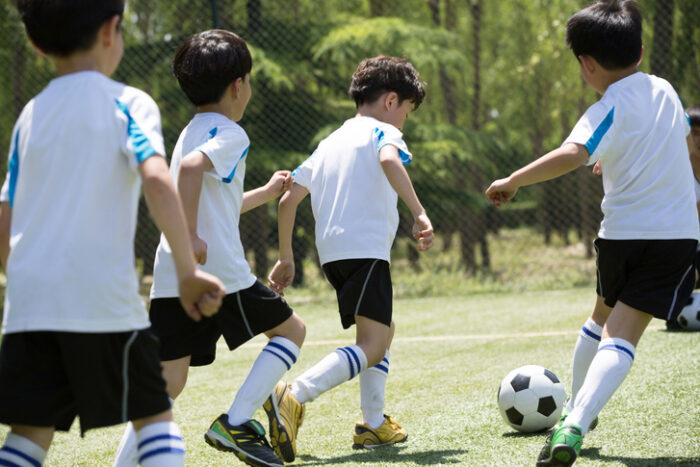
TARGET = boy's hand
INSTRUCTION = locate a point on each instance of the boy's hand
(597, 169)
(280, 182)
(201, 294)
(423, 232)
(281, 275)
(501, 191)
(199, 247)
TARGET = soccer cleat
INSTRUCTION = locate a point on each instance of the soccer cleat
(563, 448)
(389, 432)
(246, 441)
(565, 413)
(286, 415)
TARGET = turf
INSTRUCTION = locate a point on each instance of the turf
(448, 358)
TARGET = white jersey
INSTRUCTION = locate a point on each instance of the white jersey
(638, 131)
(226, 144)
(353, 203)
(73, 185)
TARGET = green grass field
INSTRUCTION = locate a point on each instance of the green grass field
(448, 358)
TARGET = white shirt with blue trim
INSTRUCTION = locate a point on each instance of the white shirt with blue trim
(353, 202)
(638, 131)
(74, 186)
(226, 145)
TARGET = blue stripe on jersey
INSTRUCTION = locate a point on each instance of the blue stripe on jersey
(213, 132)
(155, 452)
(139, 142)
(599, 132)
(618, 347)
(158, 438)
(233, 172)
(404, 156)
(294, 172)
(590, 333)
(14, 169)
(21, 454)
(283, 349)
(286, 363)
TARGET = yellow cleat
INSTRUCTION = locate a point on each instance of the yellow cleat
(388, 432)
(285, 414)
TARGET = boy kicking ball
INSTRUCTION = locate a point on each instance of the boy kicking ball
(646, 247)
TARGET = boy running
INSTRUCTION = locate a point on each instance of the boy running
(75, 330)
(647, 239)
(354, 177)
(208, 166)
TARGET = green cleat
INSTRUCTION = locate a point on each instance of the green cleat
(563, 448)
(246, 441)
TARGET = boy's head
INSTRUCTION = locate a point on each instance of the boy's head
(209, 62)
(694, 117)
(64, 27)
(379, 75)
(609, 31)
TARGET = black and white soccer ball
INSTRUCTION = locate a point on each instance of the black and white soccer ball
(689, 317)
(531, 398)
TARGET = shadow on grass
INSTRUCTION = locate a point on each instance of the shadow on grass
(594, 454)
(387, 454)
(516, 434)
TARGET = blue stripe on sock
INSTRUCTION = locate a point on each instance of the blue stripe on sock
(21, 454)
(618, 347)
(357, 359)
(382, 367)
(385, 360)
(347, 355)
(158, 438)
(155, 452)
(6, 463)
(285, 350)
(590, 333)
(289, 367)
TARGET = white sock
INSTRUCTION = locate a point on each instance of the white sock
(160, 444)
(127, 452)
(585, 350)
(608, 369)
(21, 452)
(341, 365)
(372, 386)
(274, 360)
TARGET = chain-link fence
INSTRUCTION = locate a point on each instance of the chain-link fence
(502, 89)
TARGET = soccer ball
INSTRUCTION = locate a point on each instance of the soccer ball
(689, 317)
(531, 398)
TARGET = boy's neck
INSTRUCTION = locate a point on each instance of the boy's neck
(371, 110)
(609, 77)
(222, 108)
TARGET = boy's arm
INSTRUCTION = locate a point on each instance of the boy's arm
(282, 273)
(278, 184)
(189, 185)
(552, 165)
(5, 218)
(200, 293)
(401, 183)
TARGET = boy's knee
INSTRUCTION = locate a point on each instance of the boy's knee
(293, 328)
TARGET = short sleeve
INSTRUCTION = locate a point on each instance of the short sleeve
(226, 147)
(389, 134)
(7, 193)
(302, 174)
(144, 136)
(593, 131)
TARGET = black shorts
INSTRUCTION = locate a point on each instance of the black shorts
(47, 378)
(363, 287)
(242, 316)
(653, 276)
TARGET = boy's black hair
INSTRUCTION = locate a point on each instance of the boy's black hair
(610, 32)
(377, 75)
(208, 62)
(693, 115)
(62, 27)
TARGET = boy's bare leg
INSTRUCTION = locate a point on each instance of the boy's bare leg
(373, 380)
(621, 333)
(586, 347)
(175, 375)
(25, 443)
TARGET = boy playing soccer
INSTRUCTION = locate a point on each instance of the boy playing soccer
(354, 177)
(75, 338)
(649, 232)
(208, 165)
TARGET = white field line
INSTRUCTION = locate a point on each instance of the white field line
(456, 337)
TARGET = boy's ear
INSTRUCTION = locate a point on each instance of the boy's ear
(236, 87)
(588, 63)
(391, 99)
(641, 56)
(109, 30)
(37, 49)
